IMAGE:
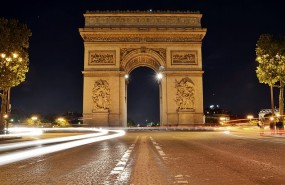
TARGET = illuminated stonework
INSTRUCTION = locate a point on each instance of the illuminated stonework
(101, 95)
(185, 96)
(117, 42)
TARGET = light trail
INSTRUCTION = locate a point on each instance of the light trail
(12, 146)
(22, 155)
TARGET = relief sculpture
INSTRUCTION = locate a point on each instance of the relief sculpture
(102, 57)
(101, 95)
(183, 58)
(185, 94)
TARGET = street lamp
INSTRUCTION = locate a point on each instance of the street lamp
(159, 76)
(34, 118)
(60, 119)
(249, 117)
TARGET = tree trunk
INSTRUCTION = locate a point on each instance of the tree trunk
(3, 110)
(281, 100)
(272, 100)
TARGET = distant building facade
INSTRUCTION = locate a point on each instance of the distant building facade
(265, 112)
(216, 115)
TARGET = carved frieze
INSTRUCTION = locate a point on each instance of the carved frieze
(185, 94)
(88, 37)
(102, 57)
(101, 96)
(191, 20)
(184, 58)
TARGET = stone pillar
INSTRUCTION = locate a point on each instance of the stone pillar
(185, 117)
(100, 118)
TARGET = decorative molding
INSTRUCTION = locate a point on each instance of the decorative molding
(185, 97)
(142, 61)
(151, 57)
(141, 11)
(89, 37)
(101, 96)
(184, 58)
(125, 52)
(154, 20)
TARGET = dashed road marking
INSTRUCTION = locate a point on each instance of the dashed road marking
(179, 179)
(120, 166)
(158, 148)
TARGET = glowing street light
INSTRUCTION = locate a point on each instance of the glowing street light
(60, 119)
(5, 116)
(159, 76)
(249, 117)
(34, 118)
(126, 76)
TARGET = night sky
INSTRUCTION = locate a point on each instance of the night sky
(54, 83)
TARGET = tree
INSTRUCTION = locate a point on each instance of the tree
(270, 55)
(61, 122)
(14, 59)
(33, 122)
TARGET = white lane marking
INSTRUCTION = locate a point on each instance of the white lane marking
(158, 148)
(118, 171)
(179, 179)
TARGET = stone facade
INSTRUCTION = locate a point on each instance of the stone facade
(115, 43)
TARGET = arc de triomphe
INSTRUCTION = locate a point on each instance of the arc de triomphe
(116, 42)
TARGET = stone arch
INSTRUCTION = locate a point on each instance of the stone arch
(152, 58)
(141, 61)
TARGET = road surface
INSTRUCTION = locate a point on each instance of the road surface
(159, 158)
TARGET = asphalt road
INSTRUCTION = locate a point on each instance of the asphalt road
(159, 157)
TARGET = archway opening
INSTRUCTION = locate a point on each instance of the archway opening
(143, 98)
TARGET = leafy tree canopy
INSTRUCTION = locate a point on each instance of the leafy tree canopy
(270, 55)
(14, 44)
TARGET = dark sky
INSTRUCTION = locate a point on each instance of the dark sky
(54, 83)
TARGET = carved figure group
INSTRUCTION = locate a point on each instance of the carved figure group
(185, 94)
(101, 95)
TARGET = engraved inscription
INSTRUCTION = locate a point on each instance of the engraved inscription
(183, 57)
(102, 57)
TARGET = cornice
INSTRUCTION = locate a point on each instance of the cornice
(143, 37)
(104, 73)
(150, 11)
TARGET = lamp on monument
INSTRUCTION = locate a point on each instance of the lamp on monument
(126, 76)
(159, 75)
